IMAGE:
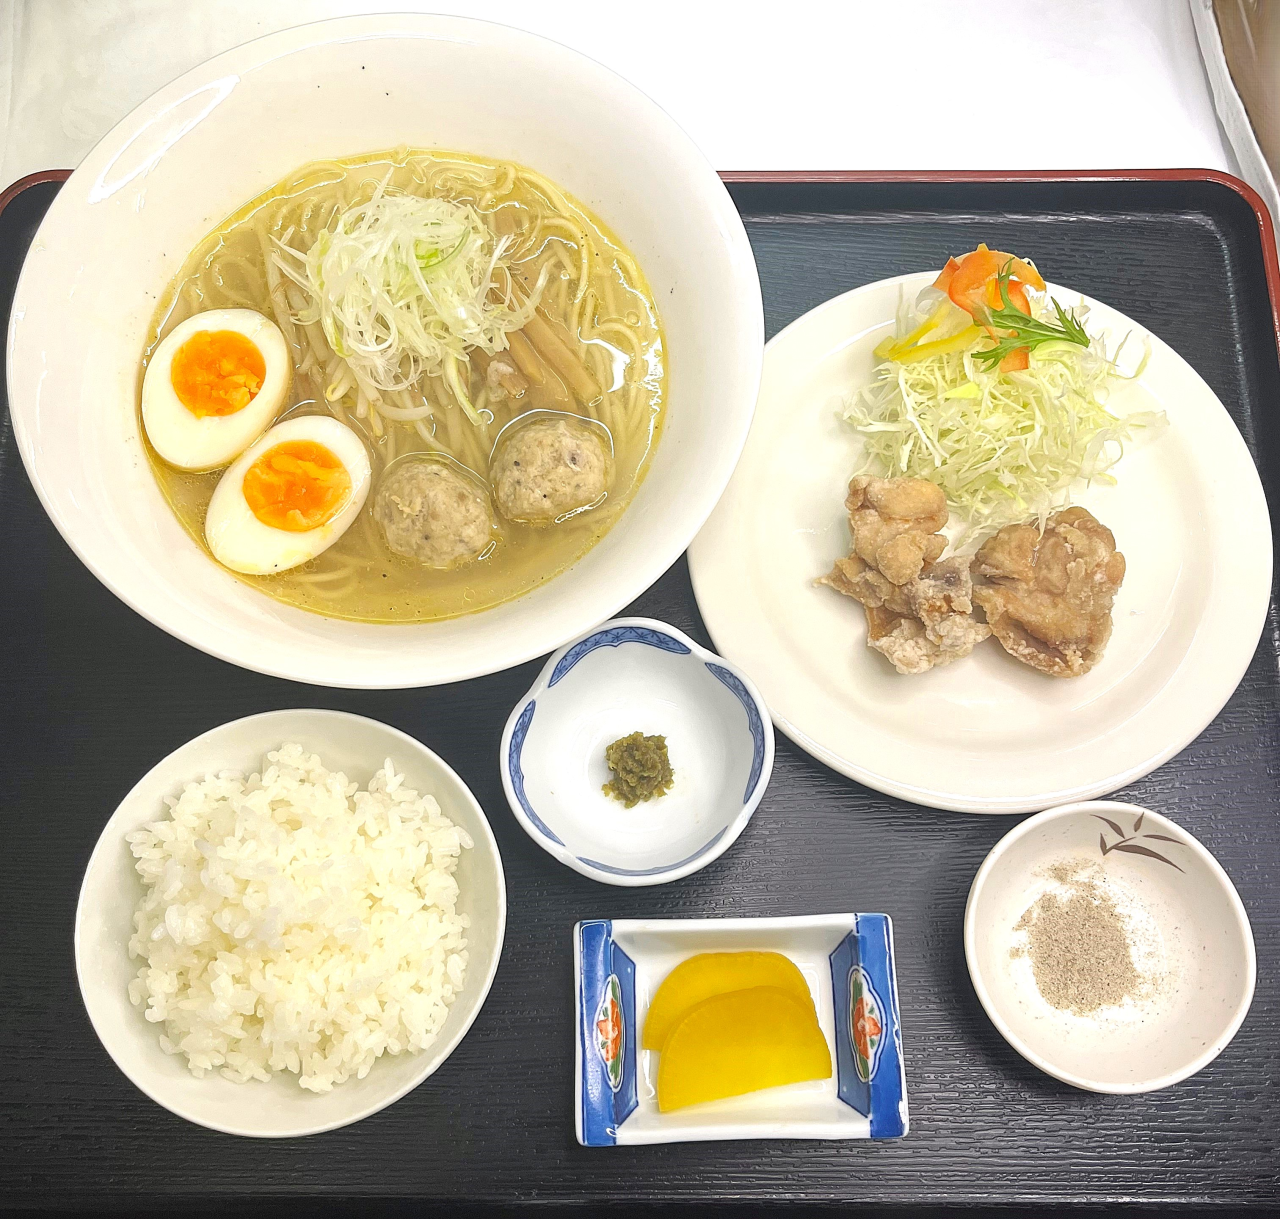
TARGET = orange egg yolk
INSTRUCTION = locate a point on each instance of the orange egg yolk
(296, 485)
(217, 372)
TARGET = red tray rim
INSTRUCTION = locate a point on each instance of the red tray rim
(1266, 226)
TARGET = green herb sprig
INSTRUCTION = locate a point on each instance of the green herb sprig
(1028, 332)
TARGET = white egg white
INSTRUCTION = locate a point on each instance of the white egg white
(242, 542)
(192, 443)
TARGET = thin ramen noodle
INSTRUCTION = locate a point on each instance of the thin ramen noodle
(592, 350)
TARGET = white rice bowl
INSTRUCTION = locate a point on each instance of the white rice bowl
(294, 922)
(335, 1031)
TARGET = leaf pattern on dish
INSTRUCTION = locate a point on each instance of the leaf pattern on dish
(1127, 844)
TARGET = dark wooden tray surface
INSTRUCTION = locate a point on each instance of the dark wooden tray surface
(91, 696)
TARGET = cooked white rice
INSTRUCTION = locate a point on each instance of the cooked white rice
(293, 922)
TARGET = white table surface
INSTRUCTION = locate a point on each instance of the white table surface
(851, 84)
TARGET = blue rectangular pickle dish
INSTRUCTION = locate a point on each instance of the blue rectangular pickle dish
(847, 960)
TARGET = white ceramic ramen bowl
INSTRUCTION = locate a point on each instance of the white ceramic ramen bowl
(637, 675)
(1188, 931)
(111, 890)
(214, 139)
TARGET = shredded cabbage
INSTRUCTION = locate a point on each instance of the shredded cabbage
(1002, 446)
(403, 286)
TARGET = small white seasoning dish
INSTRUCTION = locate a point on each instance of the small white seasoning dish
(1189, 931)
(847, 961)
(636, 674)
(279, 1108)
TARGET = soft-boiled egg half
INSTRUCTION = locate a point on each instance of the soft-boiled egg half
(288, 497)
(213, 386)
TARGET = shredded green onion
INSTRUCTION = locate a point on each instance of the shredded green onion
(1002, 446)
(403, 287)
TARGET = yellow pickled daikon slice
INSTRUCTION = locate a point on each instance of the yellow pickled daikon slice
(741, 1042)
(715, 973)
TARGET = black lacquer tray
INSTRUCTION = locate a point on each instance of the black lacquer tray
(91, 696)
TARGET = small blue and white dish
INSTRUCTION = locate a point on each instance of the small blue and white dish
(629, 675)
(847, 960)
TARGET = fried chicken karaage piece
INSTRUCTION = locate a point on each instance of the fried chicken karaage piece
(895, 523)
(1051, 594)
(918, 605)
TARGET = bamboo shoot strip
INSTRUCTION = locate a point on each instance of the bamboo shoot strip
(563, 360)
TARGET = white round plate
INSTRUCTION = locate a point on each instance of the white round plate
(279, 1108)
(985, 734)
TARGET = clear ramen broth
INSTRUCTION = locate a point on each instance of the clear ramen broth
(596, 316)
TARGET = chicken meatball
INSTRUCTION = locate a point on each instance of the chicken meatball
(433, 513)
(548, 467)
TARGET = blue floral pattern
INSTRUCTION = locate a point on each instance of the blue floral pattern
(606, 1074)
(864, 991)
(518, 734)
(613, 637)
(734, 682)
